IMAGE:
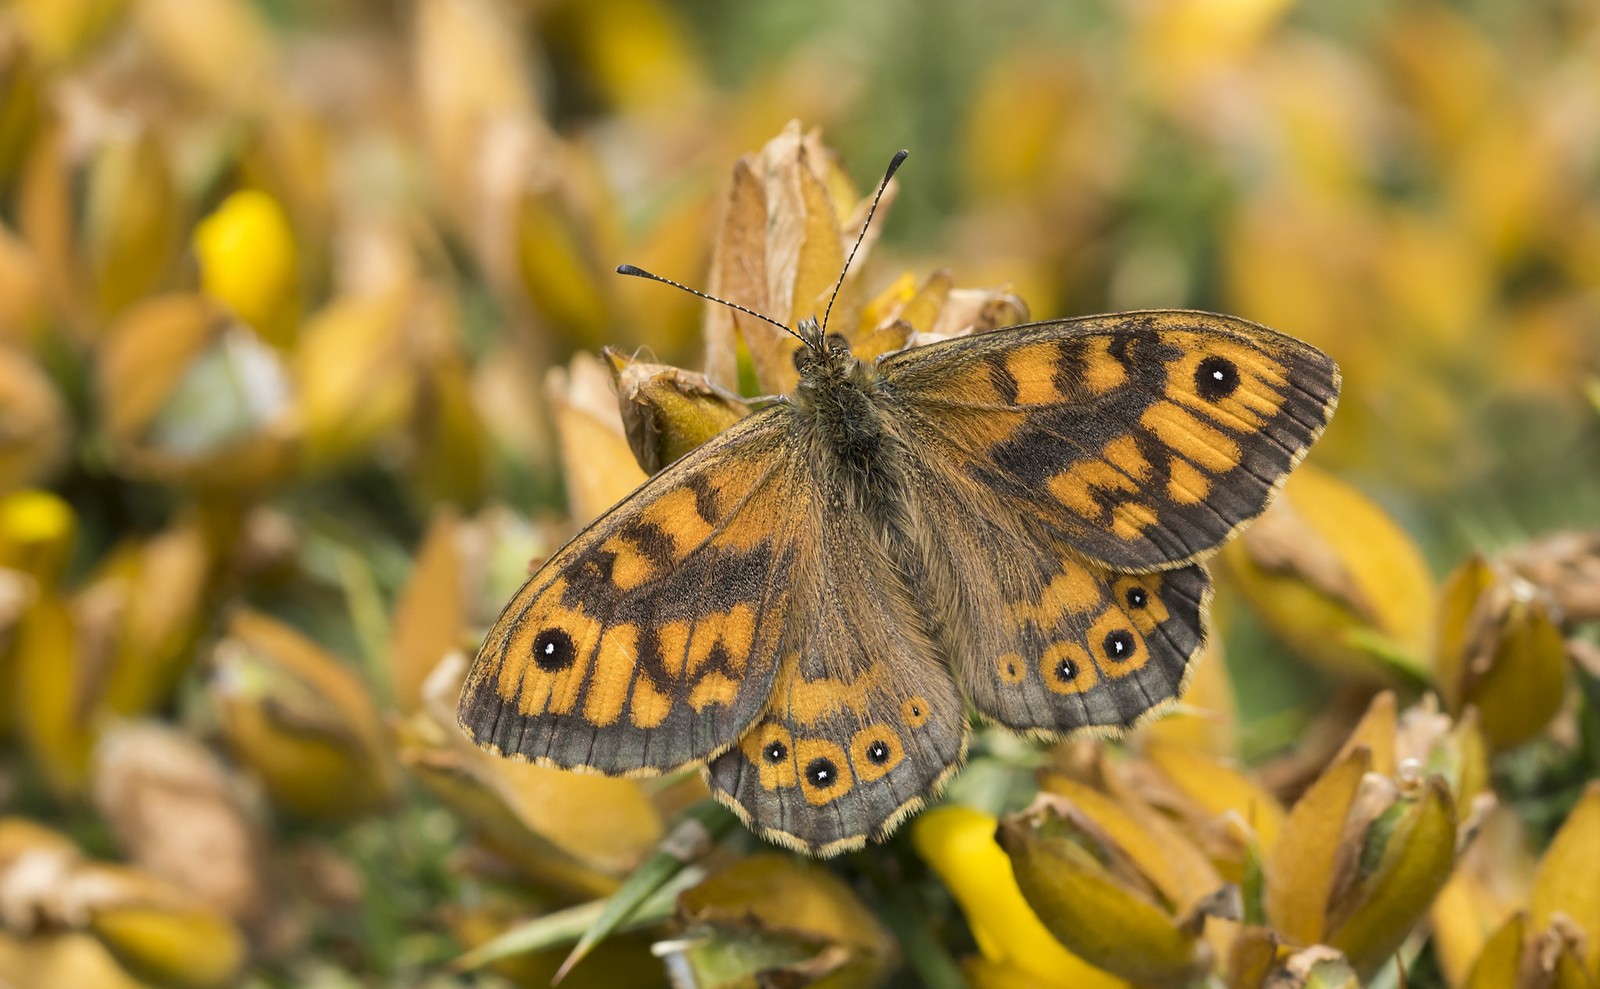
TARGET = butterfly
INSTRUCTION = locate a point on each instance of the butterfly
(808, 604)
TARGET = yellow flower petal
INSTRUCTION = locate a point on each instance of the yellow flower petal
(959, 844)
(1300, 871)
(1568, 881)
(249, 263)
(1096, 912)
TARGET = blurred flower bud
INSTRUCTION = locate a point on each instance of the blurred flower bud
(958, 843)
(1093, 895)
(355, 377)
(1182, 45)
(34, 428)
(1489, 885)
(190, 398)
(22, 295)
(248, 264)
(220, 49)
(1360, 859)
(578, 834)
(157, 932)
(61, 29)
(1335, 579)
(1551, 944)
(132, 223)
(1206, 720)
(154, 930)
(666, 411)
(775, 919)
(597, 462)
(21, 110)
(152, 595)
(559, 266)
(1566, 889)
(57, 688)
(301, 721)
(1566, 567)
(177, 815)
(1213, 797)
(1499, 650)
(472, 77)
(430, 614)
(36, 534)
(638, 53)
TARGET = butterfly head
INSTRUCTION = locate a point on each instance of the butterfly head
(824, 361)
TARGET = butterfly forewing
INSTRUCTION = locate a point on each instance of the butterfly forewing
(1142, 440)
(650, 641)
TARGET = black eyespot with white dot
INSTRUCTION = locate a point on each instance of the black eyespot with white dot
(775, 751)
(1119, 644)
(1137, 597)
(878, 752)
(553, 650)
(1216, 378)
(822, 773)
(1066, 671)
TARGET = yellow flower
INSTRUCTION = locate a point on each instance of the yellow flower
(1498, 649)
(1360, 858)
(301, 721)
(1333, 577)
(959, 844)
(1118, 885)
(248, 262)
(773, 918)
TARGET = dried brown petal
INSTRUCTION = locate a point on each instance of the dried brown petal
(178, 815)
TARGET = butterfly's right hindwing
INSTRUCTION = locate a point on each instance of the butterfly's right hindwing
(650, 641)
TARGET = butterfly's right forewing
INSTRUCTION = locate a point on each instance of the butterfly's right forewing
(650, 641)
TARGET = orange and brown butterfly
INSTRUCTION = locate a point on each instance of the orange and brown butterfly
(808, 604)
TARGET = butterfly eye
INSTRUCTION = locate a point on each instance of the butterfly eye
(553, 650)
(775, 752)
(1216, 378)
(837, 342)
(1066, 670)
(1119, 644)
(1137, 597)
(878, 752)
(822, 773)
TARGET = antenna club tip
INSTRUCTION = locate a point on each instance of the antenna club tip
(628, 269)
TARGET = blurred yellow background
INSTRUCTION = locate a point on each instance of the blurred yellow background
(290, 298)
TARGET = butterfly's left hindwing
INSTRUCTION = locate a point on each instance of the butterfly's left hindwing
(650, 641)
(1142, 440)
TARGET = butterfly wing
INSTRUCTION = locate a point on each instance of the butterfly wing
(865, 720)
(1042, 639)
(650, 641)
(1140, 440)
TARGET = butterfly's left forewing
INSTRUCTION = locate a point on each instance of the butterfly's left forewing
(650, 641)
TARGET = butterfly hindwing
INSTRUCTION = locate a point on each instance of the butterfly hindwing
(865, 720)
(1142, 440)
(650, 641)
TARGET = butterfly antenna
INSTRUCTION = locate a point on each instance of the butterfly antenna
(894, 164)
(637, 272)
